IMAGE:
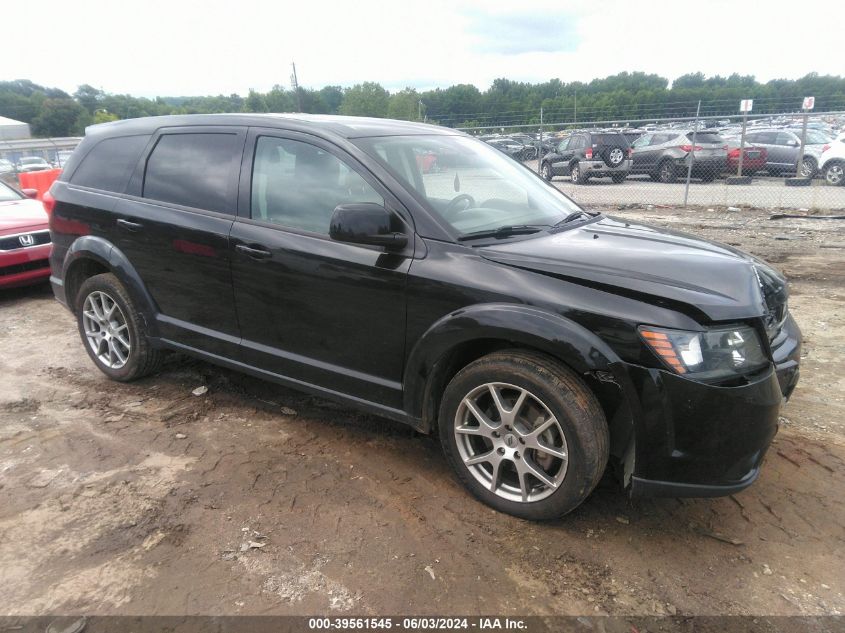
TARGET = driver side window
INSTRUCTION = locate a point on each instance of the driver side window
(298, 185)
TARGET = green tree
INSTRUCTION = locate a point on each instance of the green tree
(88, 97)
(255, 102)
(366, 99)
(58, 117)
(332, 96)
(404, 104)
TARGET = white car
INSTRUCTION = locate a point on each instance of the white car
(832, 162)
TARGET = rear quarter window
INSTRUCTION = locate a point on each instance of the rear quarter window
(194, 169)
(110, 163)
(705, 137)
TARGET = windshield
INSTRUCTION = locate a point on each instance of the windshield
(7, 193)
(468, 184)
(31, 161)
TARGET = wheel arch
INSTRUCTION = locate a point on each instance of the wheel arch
(91, 255)
(465, 335)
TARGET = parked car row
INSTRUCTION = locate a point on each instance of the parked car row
(666, 154)
(27, 164)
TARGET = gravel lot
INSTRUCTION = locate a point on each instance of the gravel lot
(146, 499)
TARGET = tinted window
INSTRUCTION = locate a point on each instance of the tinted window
(109, 165)
(610, 139)
(298, 185)
(706, 137)
(767, 138)
(577, 142)
(195, 170)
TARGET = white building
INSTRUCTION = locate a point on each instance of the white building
(13, 130)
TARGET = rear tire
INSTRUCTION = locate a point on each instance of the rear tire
(541, 406)
(112, 330)
(577, 176)
(546, 171)
(808, 167)
(666, 172)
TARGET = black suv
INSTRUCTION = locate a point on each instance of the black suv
(539, 340)
(586, 155)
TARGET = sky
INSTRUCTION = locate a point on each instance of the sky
(181, 47)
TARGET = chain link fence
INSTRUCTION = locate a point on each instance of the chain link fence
(790, 161)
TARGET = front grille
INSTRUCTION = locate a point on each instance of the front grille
(13, 242)
(16, 269)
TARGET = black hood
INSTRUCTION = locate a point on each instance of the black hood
(721, 282)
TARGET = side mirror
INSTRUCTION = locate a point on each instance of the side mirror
(32, 194)
(365, 223)
(792, 143)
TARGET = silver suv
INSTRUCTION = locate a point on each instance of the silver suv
(665, 155)
(782, 146)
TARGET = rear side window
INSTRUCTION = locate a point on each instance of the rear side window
(110, 163)
(706, 137)
(194, 170)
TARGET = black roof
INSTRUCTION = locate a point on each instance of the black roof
(343, 126)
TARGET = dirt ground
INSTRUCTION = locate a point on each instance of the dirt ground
(252, 499)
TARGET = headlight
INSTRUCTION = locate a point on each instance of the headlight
(712, 354)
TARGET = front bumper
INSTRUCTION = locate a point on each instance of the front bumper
(702, 440)
(24, 266)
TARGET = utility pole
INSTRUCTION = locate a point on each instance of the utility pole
(419, 110)
(295, 85)
(692, 153)
(540, 141)
(575, 118)
(800, 162)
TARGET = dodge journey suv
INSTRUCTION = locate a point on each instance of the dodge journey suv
(541, 341)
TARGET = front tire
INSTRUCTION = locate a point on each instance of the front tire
(113, 332)
(524, 434)
(666, 172)
(834, 174)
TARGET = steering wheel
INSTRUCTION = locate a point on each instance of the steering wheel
(455, 205)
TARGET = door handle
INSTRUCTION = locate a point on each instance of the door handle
(129, 225)
(254, 253)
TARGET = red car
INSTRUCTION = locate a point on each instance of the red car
(24, 239)
(753, 160)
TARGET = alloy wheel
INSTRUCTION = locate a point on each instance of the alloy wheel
(106, 330)
(808, 167)
(834, 174)
(510, 442)
(616, 156)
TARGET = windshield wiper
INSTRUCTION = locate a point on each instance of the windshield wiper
(573, 216)
(504, 231)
